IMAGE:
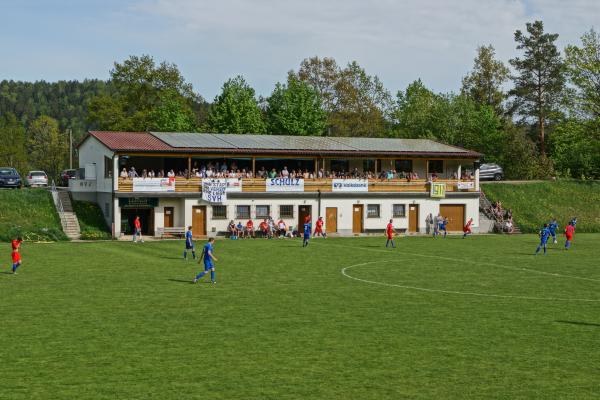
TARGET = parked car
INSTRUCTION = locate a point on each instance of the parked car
(9, 177)
(67, 174)
(491, 171)
(36, 178)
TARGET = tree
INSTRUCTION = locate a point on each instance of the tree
(583, 69)
(47, 146)
(484, 83)
(540, 79)
(322, 75)
(236, 109)
(413, 112)
(12, 136)
(139, 86)
(295, 109)
(575, 148)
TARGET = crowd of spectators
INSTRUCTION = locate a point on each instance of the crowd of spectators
(504, 217)
(267, 229)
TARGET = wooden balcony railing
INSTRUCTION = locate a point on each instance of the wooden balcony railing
(194, 185)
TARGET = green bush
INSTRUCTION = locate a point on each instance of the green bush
(29, 213)
(534, 204)
(91, 221)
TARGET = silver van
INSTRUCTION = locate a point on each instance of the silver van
(491, 172)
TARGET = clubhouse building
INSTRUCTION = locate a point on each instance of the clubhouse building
(173, 180)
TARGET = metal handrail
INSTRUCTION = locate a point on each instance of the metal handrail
(59, 205)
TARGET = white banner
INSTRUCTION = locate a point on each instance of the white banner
(234, 185)
(214, 190)
(285, 185)
(465, 185)
(153, 185)
(349, 185)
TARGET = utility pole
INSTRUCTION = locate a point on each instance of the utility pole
(70, 148)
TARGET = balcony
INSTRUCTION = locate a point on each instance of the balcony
(194, 185)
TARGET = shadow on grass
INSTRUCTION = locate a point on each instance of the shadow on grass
(181, 280)
(6, 272)
(578, 323)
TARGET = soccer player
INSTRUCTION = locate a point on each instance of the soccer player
(552, 227)
(573, 222)
(569, 232)
(442, 227)
(467, 228)
(189, 244)
(209, 258)
(307, 230)
(389, 231)
(319, 228)
(16, 256)
(137, 232)
(249, 229)
(544, 235)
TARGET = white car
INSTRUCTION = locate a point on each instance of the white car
(36, 178)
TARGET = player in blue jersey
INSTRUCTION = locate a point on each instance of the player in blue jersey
(573, 222)
(209, 258)
(189, 244)
(442, 227)
(552, 227)
(307, 230)
(544, 235)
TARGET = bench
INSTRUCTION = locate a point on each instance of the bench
(170, 231)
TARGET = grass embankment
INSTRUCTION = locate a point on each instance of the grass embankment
(29, 213)
(534, 204)
(118, 320)
(91, 221)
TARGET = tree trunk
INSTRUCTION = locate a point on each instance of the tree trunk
(542, 136)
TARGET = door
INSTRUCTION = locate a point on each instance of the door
(168, 217)
(199, 221)
(303, 212)
(413, 218)
(357, 218)
(455, 214)
(331, 219)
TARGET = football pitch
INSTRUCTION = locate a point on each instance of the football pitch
(341, 319)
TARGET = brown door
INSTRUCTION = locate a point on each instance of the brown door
(331, 219)
(413, 218)
(455, 214)
(303, 212)
(199, 221)
(357, 218)
(168, 217)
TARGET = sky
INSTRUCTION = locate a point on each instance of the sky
(213, 40)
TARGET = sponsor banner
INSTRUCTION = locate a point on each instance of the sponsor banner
(285, 185)
(349, 185)
(465, 185)
(233, 184)
(438, 190)
(138, 202)
(153, 184)
(214, 190)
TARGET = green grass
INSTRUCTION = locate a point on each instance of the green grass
(534, 204)
(91, 221)
(29, 213)
(117, 320)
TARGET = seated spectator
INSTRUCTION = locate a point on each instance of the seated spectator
(271, 226)
(282, 228)
(509, 226)
(124, 173)
(239, 228)
(264, 228)
(249, 231)
(232, 229)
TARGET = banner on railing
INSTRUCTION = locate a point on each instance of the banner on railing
(234, 185)
(465, 185)
(214, 190)
(153, 185)
(285, 185)
(349, 185)
(438, 190)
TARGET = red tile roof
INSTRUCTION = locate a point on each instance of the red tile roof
(132, 141)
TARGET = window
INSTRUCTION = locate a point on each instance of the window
(107, 167)
(286, 211)
(398, 211)
(220, 212)
(435, 166)
(373, 211)
(242, 212)
(262, 212)
(340, 165)
(403, 166)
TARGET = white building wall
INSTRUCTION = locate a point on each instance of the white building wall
(92, 152)
(178, 211)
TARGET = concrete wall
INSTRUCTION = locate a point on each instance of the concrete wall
(92, 152)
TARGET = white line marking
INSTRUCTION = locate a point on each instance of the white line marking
(454, 291)
(476, 263)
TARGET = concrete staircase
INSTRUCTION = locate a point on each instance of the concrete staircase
(487, 221)
(69, 221)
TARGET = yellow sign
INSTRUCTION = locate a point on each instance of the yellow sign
(438, 190)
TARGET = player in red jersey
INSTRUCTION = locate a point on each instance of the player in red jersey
(319, 228)
(137, 231)
(467, 228)
(569, 232)
(16, 256)
(389, 231)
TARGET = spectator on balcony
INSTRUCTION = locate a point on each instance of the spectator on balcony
(151, 174)
(161, 174)
(133, 173)
(171, 174)
(284, 172)
(144, 173)
(124, 173)
(321, 173)
(223, 167)
(434, 177)
(273, 173)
